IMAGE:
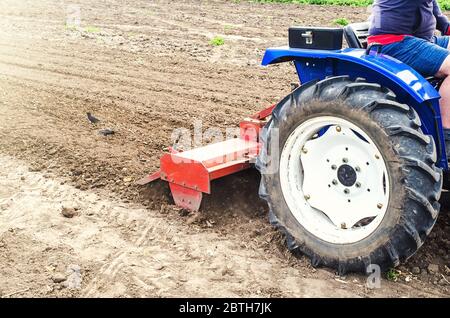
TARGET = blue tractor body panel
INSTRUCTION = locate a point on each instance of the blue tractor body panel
(409, 86)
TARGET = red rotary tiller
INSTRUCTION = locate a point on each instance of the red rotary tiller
(189, 173)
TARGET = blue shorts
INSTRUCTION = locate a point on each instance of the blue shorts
(424, 56)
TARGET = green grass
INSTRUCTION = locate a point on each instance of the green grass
(341, 21)
(92, 29)
(217, 41)
(445, 4)
(392, 275)
(227, 27)
(70, 27)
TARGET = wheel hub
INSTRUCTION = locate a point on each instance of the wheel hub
(346, 175)
(339, 189)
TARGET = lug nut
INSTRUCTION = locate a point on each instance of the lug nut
(335, 182)
(377, 156)
(358, 169)
(307, 197)
(334, 167)
(346, 191)
(379, 205)
(338, 128)
(358, 185)
(344, 160)
(304, 150)
(343, 226)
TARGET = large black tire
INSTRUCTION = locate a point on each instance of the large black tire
(410, 158)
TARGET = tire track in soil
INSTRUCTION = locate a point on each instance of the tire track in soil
(156, 256)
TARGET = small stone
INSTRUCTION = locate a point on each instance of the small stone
(415, 270)
(69, 212)
(424, 276)
(22, 178)
(106, 132)
(127, 179)
(162, 209)
(194, 218)
(433, 269)
(447, 270)
(77, 173)
(442, 282)
(59, 278)
(226, 270)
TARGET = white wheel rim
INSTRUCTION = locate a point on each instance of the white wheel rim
(336, 185)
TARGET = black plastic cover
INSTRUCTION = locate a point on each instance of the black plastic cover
(315, 38)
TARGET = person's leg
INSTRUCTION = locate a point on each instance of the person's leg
(429, 59)
(444, 71)
(424, 56)
(444, 91)
(442, 41)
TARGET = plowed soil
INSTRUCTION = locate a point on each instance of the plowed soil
(145, 68)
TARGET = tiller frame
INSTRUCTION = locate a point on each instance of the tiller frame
(189, 173)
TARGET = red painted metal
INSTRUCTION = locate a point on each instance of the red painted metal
(150, 178)
(250, 129)
(186, 198)
(185, 172)
(264, 113)
(189, 173)
(228, 168)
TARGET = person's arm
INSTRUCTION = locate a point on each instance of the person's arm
(443, 24)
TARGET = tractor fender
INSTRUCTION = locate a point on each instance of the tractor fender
(409, 86)
(313, 63)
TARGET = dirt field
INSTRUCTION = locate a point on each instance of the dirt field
(145, 68)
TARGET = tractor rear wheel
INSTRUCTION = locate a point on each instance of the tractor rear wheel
(348, 174)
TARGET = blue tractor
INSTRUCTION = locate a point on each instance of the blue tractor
(353, 159)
